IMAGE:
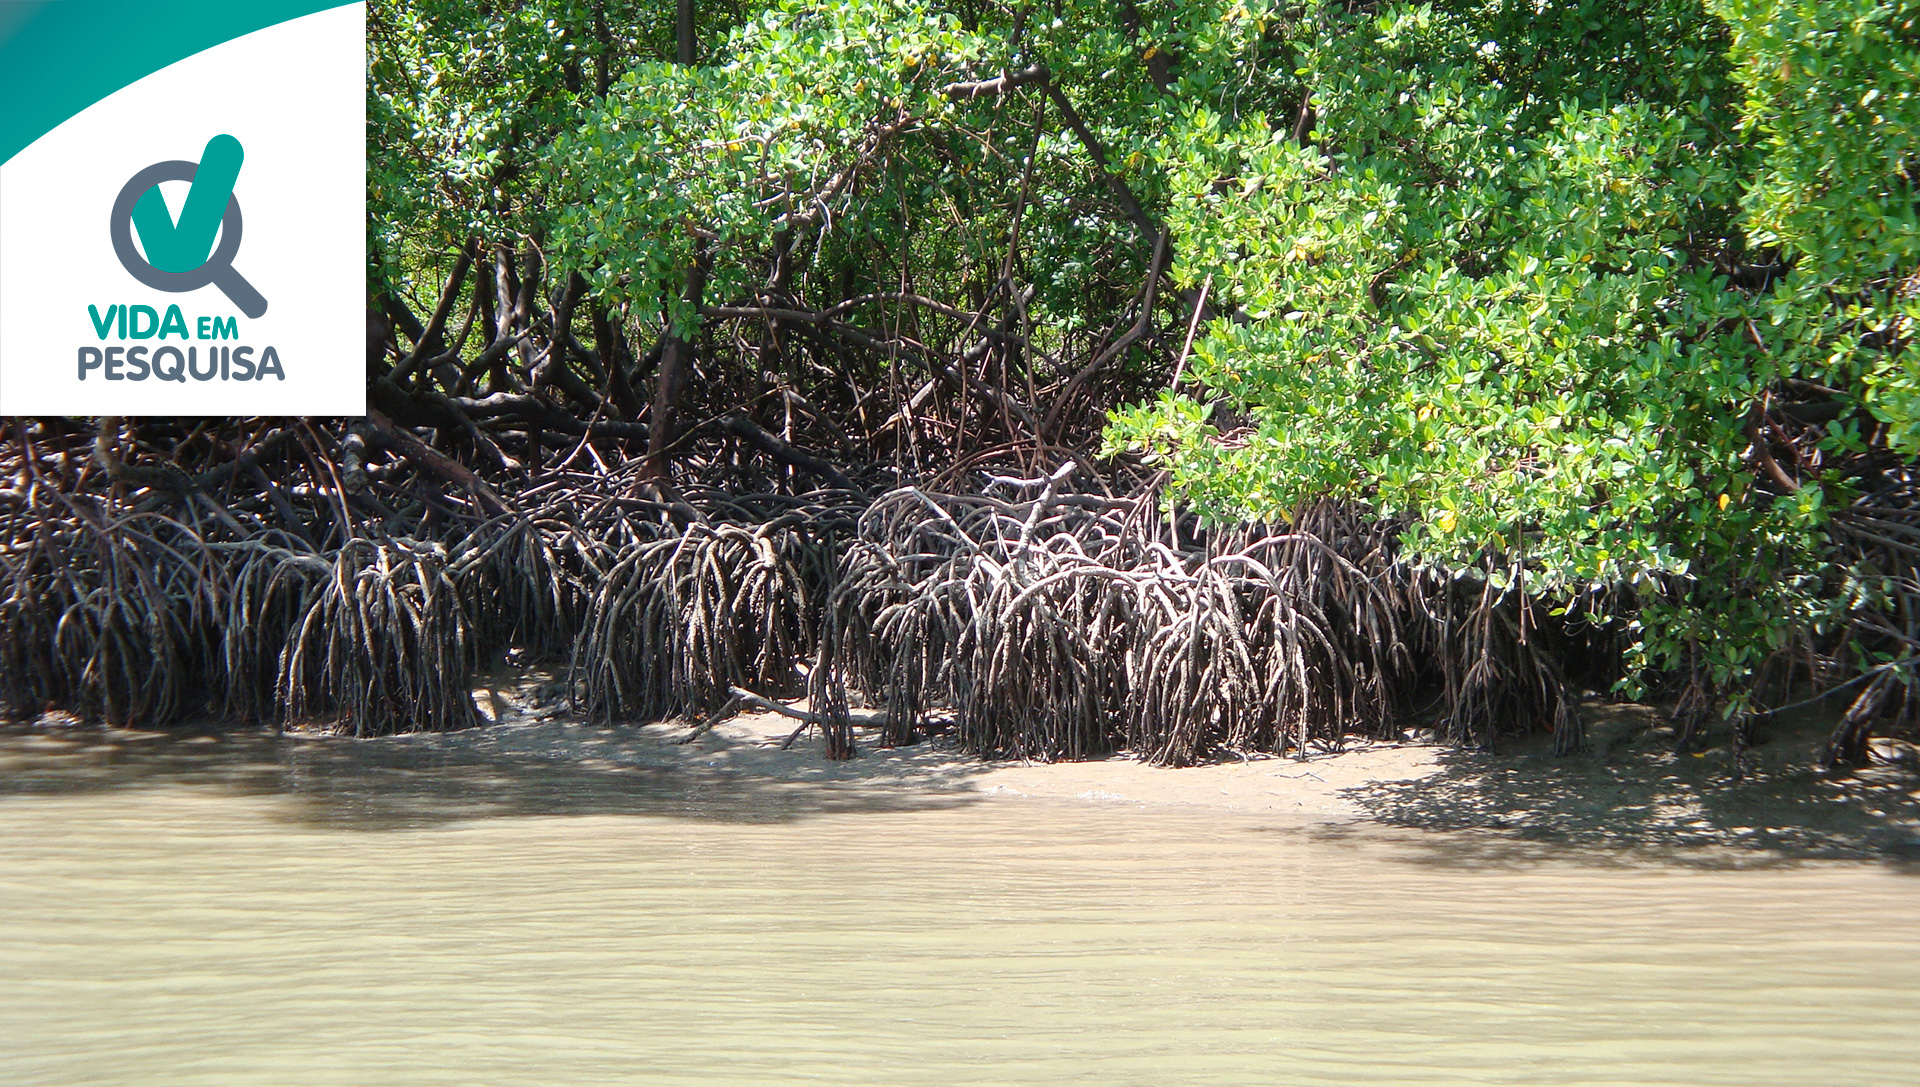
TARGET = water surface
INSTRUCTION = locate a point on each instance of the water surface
(333, 913)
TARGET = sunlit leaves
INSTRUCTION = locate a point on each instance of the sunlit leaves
(1485, 300)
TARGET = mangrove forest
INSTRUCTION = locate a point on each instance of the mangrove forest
(1061, 377)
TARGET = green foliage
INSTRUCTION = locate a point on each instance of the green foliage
(1493, 300)
(1833, 101)
(819, 132)
(767, 141)
(464, 99)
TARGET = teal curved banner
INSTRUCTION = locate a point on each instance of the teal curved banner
(57, 57)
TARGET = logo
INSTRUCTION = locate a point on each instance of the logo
(180, 254)
(183, 196)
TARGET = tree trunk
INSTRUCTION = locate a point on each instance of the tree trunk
(676, 358)
(685, 45)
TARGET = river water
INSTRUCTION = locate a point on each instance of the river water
(212, 917)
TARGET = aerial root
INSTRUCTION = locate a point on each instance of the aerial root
(1039, 618)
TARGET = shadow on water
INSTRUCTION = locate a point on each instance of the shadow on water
(425, 780)
(1632, 799)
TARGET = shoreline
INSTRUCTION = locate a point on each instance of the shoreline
(750, 744)
(1630, 789)
(1629, 795)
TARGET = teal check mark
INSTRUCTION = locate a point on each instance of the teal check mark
(184, 246)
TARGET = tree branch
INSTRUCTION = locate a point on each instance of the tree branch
(739, 425)
(1000, 84)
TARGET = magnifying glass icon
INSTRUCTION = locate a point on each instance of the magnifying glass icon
(218, 270)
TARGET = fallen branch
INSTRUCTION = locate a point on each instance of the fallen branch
(713, 719)
(807, 720)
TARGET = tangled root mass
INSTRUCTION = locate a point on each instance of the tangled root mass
(1042, 618)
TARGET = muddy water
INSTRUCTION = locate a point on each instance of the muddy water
(252, 918)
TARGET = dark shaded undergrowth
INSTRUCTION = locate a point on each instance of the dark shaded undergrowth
(280, 571)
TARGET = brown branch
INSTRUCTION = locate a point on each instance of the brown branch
(1000, 84)
(106, 452)
(1126, 340)
(954, 375)
(814, 206)
(1128, 202)
(401, 441)
(430, 337)
(739, 425)
(1038, 74)
(1762, 454)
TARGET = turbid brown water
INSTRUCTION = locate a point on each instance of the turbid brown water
(223, 915)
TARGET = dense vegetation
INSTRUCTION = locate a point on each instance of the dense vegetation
(1237, 373)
